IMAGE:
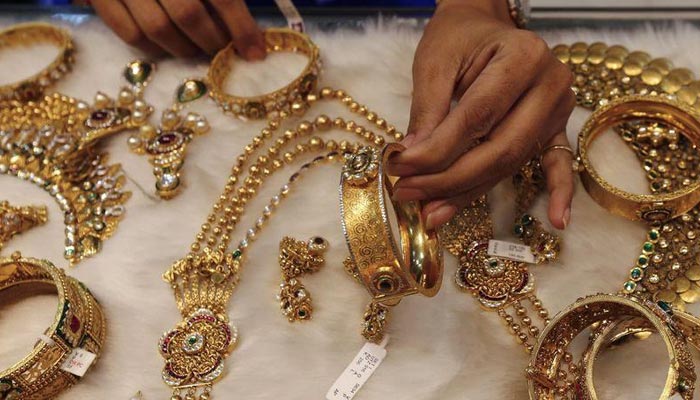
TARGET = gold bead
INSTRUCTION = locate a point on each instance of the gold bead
(326, 92)
(211, 241)
(379, 141)
(288, 157)
(568, 357)
(266, 133)
(534, 331)
(176, 397)
(543, 313)
(316, 143)
(362, 110)
(206, 227)
(273, 124)
(527, 320)
(204, 396)
(331, 145)
(350, 126)
(284, 114)
(398, 136)
(508, 319)
(371, 116)
(298, 108)
(194, 247)
(290, 134)
(529, 348)
(390, 129)
(515, 328)
(311, 98)
(217, 231)
(520, 311)
(346, 100)
(339, 123)
(305, 128)
(522, 337)
(323, 122)
(339, 94)
(189, 397)
(354, 106)
(262, 160)
(380, 122)
(344, 145)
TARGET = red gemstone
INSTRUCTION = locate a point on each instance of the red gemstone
(98, 115)
(167, 138)
(74, 324)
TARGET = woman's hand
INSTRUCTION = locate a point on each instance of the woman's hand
(511, 93)
(184, 28)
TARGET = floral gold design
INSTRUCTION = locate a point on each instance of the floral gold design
(362, 166)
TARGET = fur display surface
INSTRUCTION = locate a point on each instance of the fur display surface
(441, 348)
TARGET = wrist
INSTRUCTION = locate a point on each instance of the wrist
(497, 9)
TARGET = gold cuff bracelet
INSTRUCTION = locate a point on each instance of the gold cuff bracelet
(31, 34)
(79, 324)
(653, 208)
(388, 272)
(290, 98)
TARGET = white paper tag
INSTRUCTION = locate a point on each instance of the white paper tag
(47, 340)
(78, 362)
(292, 15)
(358, 371)
(512, 251)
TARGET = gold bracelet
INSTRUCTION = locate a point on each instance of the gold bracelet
(31, 34)
(15, 220)
(291, 98)
(79, 324)
(652, 208)
(543, 373)
(386, 272)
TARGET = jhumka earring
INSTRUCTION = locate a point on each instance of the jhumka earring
(166, 144)
(15, 220)
(297, 258)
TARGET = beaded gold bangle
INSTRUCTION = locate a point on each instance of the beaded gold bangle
(618, 316)
(387, 273)
(291, 98)
(79, 324)
(653, 208)
(32, 34)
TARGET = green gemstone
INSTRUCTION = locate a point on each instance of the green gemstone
(629, 286)
(192, 340)
(137, 72)
(636, 273)
(526, 219)
(683, 385)
(518, 229)
(653, 235)
(69, 251)
(642, 260)
(237, 254)
(191, 90)
(665, 306)
(493, 263)
(648, 247)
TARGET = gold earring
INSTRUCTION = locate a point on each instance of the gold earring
(15, 220)
(297, 258)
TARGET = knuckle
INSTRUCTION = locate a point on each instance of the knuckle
(480, 118)
(186, 13)
(511, 157)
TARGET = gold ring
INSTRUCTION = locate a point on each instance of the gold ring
(617, 314)
(79, 324)
(291, 98)
(388, 269)
(554, 147)
(653, 208)
(32, 34)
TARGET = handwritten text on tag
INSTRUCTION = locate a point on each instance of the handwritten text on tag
(78, 362)
(358, 372)
(512, 251)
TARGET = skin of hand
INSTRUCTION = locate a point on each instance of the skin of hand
(184, 28)
(513, 100)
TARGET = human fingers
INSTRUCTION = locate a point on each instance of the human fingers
(247, 37)
(117, 17)
(502, 75)
(159, 28)
(193, 19)
(557, 167)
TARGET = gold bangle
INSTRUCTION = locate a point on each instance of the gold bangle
(31, 34)
(614, 312)
(79, 323)
(387, 273)
(291, 98)
(652, 208)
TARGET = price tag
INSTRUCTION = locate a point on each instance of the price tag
(358, 371)
(78, 362)
(512, 251)
(291, 14)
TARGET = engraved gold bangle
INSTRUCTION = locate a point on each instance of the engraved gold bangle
(32, 34)
(388, 272)
(652, 208)
(617, 314)
(291, 98)
(79, 323)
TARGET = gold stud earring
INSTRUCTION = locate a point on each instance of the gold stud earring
(297, 258)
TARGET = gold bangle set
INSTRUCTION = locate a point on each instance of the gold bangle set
(78, 324)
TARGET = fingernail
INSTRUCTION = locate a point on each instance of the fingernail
(255, 53)
(408, 194)
(441, 215)
(566, 218)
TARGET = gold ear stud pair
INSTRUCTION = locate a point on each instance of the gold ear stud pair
(297, 258)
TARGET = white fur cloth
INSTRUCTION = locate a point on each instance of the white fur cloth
(441, 348)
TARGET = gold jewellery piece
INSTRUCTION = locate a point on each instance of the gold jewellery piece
(616, 317)
(291, 98)
(79, 325)
(297, 258)
(166, 145)
(203, 280)
(53, 143)
(31, 34)
(17, 219)
(652, 208)
(388, 272)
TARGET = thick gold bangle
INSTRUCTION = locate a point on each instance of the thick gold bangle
(387, 272)
(618, 314)
(652, 208)
(32, 34)
(291, 98)
(79, 323)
